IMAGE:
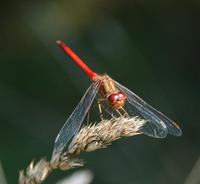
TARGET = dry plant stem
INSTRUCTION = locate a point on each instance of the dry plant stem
(89, 138)
(35, 173)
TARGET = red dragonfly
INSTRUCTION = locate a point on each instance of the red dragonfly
(119, 98)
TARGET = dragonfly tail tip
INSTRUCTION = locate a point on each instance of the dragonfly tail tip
(58, 42)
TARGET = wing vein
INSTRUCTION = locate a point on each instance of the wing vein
(73, 123)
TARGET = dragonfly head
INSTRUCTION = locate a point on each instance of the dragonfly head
(117, 99)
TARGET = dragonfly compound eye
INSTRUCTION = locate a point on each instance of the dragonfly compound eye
(121, 95)
(117, 99)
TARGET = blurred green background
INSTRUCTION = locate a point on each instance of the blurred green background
(152, 47)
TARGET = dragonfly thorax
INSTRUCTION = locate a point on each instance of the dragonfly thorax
(109, 92)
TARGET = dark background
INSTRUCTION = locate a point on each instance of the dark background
(152, 47)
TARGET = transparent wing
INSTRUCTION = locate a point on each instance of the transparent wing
(158, 125)
(73, 124)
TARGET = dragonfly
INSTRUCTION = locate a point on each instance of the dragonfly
(119, 98)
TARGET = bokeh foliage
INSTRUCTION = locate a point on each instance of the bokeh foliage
(152, 47)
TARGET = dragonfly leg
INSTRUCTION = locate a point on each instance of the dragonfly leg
(100, 109)
(109, 113)
(125, 112)
(119, 112)
(88, 118)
